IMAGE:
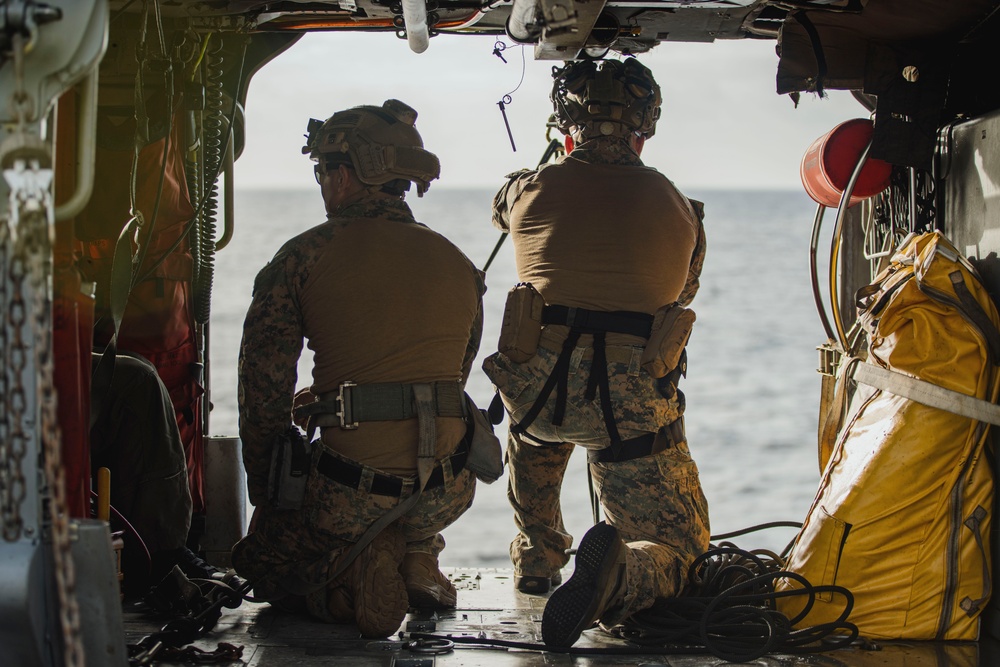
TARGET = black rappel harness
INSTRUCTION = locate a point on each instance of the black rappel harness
(596, 323)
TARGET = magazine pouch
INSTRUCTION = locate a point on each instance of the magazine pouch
(672, 327)
(521, 328)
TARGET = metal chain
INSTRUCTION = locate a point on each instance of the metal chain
(13, 440)
(10, 527)
(55, 473)
(32, 219)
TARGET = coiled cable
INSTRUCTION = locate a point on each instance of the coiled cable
(729, 608)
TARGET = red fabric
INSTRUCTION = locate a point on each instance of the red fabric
(158, 322)
(72, 338)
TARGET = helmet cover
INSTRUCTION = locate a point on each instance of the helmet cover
(382, 143)
(605, 98)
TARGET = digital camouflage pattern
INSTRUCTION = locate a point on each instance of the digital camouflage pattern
(302, 545)
(306, 546)
(656, 502)
(640, 406)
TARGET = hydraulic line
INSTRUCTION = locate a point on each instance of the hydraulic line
(814, 273)
(206, 226)
(838, 232)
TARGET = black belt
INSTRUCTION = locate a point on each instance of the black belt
(591, 321)
(633, 448)
(350, 473)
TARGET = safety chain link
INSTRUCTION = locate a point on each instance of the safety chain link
(13, 439)
(31, 226)
(13, 403)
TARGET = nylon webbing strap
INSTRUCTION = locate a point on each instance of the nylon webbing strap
(978, 316)
(391, 400)
(423, 397)
(926, 393)
(383, 401)
(120, 288)
(591, 321)
(559, 374)
(600, 382)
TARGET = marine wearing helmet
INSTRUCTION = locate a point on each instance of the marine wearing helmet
(601, 242)
(381, 144)
(389, 308)
(605, 98)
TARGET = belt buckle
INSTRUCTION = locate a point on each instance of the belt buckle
(342, 412)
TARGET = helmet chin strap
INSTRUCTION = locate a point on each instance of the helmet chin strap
(637, 141)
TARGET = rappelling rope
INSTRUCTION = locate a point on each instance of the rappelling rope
(727, 610)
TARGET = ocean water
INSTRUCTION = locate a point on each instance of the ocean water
(752, 389)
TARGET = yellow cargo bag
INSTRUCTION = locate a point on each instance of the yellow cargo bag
(903, 511)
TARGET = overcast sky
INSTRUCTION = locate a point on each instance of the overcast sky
(722, 126)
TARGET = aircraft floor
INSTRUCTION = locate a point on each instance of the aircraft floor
(490, 607)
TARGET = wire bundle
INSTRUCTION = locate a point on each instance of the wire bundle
(729, 609)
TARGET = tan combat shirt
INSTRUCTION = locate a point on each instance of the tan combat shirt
(599, 230)
(380, 298)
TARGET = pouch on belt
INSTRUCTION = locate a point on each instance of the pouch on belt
(672, 325)
(521, 328)
(290, 462)
(485, 453)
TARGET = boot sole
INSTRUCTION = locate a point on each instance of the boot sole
(431, 598)
(574, 606)
(382, 601)
(536, 585)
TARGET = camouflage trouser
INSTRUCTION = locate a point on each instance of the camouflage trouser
(307, 544)
(655, 501)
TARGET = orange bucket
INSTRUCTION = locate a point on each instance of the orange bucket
(828, 164)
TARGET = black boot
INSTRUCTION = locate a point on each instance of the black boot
(597, 585)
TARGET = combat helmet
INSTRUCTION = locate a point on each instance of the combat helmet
(605, 98)
(380, 143)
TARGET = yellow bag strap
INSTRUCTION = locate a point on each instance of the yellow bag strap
(925, 393)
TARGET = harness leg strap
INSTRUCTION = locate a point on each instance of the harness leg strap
(560, 373)
(599, 376)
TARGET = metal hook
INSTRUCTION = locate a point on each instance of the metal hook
(435, 646)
